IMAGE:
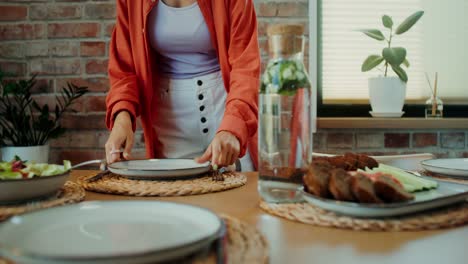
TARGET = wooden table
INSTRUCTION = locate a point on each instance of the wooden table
(292, 242)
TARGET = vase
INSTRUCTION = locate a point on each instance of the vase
(38, 154)
(387, 96)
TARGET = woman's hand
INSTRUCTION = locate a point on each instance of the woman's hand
(223, 150)
(120, 137)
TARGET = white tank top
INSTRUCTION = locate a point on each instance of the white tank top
(182, 41)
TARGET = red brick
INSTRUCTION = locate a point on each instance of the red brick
(100, 11)
(12, 50)
(263, 43)
(83, 139)
(92, 48)
(293, 9)
(37, 49)
(102, 138)
(73, 30)
(96, 103)
(51, 101)
(63, 141)
(96, 66)
(75, 155)
(63, 49)
(369, 140)
(396, 140)
(55, 66)
(43, 12)
(423, 140)
(21, 31)
(108, 29)
(266, 9)
(42, 86)
(15, 68)
(453, 140)
(94, 84)
(13, 13)
(89, 121)
(320, 142)
(340, 140)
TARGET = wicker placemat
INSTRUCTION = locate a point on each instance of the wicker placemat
(115, 184)
(245, 244)
(309, 214)
(70, 193)
(444, 178)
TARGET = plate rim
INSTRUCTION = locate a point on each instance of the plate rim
(25, 254)
(148, 170)
(429, 165)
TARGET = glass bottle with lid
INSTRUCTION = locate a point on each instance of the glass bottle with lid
(285, 131)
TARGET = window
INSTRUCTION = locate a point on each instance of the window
(437, 43)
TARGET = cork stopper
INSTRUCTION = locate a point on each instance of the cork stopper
(285, 29)
(285, 40)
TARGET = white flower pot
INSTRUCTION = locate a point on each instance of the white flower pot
(39, 154)
(387, 95)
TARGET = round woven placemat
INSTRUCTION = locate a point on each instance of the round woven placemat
(245, 244)
(309, 214)
(444, 178)
(115, 184)
(70, 193)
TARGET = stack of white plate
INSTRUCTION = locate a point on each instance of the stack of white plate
(109, 232)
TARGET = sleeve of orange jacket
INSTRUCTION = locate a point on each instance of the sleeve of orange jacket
(124, 91)
(240, 117)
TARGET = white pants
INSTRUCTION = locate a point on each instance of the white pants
(187, 115)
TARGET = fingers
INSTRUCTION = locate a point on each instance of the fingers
(128, 147)
(120, 137)
(206, 156)
(112, 154)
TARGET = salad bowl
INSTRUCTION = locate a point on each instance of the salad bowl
(32, 183)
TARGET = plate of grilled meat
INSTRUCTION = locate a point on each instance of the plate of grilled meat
(358, 185)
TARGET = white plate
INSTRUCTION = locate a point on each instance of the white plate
(451, 167)
(446, 193)
(155, 169)
(108, 232)
(396, 114)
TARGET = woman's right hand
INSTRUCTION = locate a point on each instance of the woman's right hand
(121, 136)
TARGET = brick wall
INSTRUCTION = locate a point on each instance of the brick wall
(442, 142)
(67, 40)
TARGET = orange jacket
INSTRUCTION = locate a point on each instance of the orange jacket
(233, 28)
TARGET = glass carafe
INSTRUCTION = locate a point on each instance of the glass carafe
(285, 132)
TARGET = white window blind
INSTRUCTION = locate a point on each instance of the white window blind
(438, 42)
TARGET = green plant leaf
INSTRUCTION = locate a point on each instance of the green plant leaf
(373, 33)
(409, 22)
(387, 21)
(400, 72)
(394, 56)
(406, 63)
(371, 62)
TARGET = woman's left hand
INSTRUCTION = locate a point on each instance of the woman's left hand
(223, 150)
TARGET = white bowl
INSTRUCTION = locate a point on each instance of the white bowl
(22, 190)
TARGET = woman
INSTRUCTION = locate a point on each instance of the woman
(190, 70)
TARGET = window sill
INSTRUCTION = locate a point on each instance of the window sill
(397, 123)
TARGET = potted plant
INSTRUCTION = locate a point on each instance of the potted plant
(387, 93)
(26, 127)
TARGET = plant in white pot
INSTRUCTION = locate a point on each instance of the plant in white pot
(26, 127)
(387, 93)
